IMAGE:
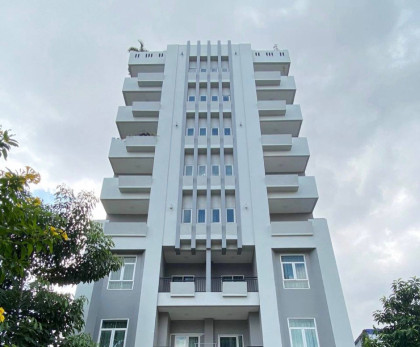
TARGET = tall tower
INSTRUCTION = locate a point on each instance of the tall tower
(211, 210)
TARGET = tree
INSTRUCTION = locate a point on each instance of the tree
(140, 49)
(6, 142)
(42, 246)
(400, 316)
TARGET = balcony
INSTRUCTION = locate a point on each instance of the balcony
(146, 62)
(292, 228)
(267, 78)
(140, 143)
(126, 195)
(132, 92)
(286, 161)
(278, 118)
(215, 231)
(286, 90)
(276, 142)
(291, 193)
(138, 119)
(272, 61)
(198, 285)
(150, 79)
(119, 229)
(132, 162)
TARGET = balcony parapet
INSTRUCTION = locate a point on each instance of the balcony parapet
(273, 60)
(286, 90)
(267, 78)
(292, 228)
(274, 119)
(282, 142)
(143, 62)
(122, 229)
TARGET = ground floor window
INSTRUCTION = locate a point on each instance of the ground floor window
(185, 341)
(230, 341)
(303, 332)
(113, 333)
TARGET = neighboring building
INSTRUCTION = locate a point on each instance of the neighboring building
(211, 210)
(366, 332)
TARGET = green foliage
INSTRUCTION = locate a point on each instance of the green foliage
(41, 246)
(6, 142)
(140, 49)
(400, 316)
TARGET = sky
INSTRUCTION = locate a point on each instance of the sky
(356, 65)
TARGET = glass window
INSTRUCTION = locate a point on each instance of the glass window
(214, 98)
(215, 218)
(113, 333)
(190, 131)
(214, 69)
(215, 131)
(229, 170)
(185, 278)
(230, 215)
(191, 98)
(225, 69)
(228, 132)
(226, 97)
(203, 97)
(233, 278)
(203, 131)
(231, 341)
(202, 170)
(201, 216)
(186, 216)
(188, 170)
(294, 272)
(215, 170)
(124, 277)
(203, 69)
(186, 341)
(303, 332)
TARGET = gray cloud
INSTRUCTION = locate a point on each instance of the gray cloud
(356, 64)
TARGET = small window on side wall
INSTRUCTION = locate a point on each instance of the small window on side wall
(294, 271)
(230, 215)
(186, 216)
(123, 279)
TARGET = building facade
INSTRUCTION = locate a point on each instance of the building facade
(211, 210)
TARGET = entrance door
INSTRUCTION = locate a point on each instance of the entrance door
(230, 341)
(186, 341)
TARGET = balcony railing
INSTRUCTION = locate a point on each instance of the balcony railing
(216, 284)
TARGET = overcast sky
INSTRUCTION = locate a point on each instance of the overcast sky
(357, 69)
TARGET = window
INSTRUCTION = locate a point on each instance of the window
(214, 69)
(202, 170)
(294, 271)
(201, 216)
(229, 170)
(184, 278)
(186, 216)
(113, 333)
(233, 278)
(228, 132)
(215, 131)
(188, 170)
(225, 69)
(231, 341)
(203, 131)
(190, 131)
(215, 170)
(124, 277)
(203, 69)
(303, 332)
(191, 98)
(214, 98)
(230, 215)
(215, 215)
(192, 69)
(203, 98)
(225, 98)
(185, 341)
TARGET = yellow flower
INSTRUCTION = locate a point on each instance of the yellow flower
(37, 202)
(1, 318)
(1, 310)
(64, 235)
(54, 231)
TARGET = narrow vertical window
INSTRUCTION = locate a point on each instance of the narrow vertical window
(201, 216)
(186, 216)
(215, 170)
(303, 332)
(203, 131)
(190, 131)
(202, 170)
(230, 215)
(191, 98)
(215, 131)
(228, 131)
(229, 170)
(188, 170)
(124, 277)
(215, 215)
(112, 333)
(294, 271)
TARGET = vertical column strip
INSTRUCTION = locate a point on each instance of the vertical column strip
(209, 167)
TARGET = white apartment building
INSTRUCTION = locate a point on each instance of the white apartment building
(211, 210)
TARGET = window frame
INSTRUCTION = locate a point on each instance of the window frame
(219, 336)
(294, 270)
(122, 269)
(191, 98)
(303, 328)
(183, 278)
(217, 130)
(186, 132)
(192, 170)
(230, 131)
(198, 170)
(113, 330)
(218, 170)
(205, 131)
(205, 215)
(203, 98)
(212, 215)
(183, 215)
(185, 335)
(226, 166)
(234, 214)
(242, 278)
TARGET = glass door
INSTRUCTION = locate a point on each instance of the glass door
(230, 341)
(186, 341)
